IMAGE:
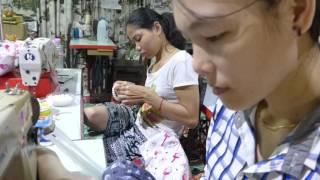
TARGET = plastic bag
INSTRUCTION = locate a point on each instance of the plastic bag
(66, 145)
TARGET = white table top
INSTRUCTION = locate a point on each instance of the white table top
(84, 43)
(68, 118)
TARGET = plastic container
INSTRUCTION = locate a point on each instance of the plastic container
(61, 100)
(102, 31)
(60, 51)
(45, 123)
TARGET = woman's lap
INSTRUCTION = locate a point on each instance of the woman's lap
(162, 153)
(121, 136)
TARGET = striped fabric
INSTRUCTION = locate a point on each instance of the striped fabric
(231, 149)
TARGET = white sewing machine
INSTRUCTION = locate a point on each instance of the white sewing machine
(37, 55)
(36, 60)
(17, 136)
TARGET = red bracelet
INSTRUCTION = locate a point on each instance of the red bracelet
(159, 109)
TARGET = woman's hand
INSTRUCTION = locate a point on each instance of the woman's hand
(130, 93)
(116, 88)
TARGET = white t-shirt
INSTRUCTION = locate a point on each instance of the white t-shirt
(177, 72)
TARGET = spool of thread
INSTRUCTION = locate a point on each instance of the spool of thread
(87, 19)
(76, 33)
(45, 123)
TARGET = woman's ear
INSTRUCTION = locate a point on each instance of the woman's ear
(157, 28)
(304, 12)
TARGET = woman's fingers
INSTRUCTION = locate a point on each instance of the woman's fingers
(132, 101)
(129, 97)
(118, 85)
(129, 90)
(123, 83)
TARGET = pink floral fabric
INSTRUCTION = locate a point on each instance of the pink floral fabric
(9, 52)
(165, 158)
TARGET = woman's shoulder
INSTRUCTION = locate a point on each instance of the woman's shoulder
(182, 55)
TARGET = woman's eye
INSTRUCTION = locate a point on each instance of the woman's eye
(216, 38)
(137, 39)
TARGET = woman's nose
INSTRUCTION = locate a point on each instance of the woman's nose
(138, 47)
(201, 61)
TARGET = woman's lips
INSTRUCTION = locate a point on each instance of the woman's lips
(219, 90)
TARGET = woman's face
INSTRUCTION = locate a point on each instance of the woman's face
(244, 56)
(146, 41)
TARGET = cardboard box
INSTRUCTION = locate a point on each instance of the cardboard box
(20, 30)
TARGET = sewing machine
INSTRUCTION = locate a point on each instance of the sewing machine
(36, 59)
(37, 55)
(17, 135)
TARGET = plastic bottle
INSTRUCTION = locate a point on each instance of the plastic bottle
(102, 31)
(60, 51)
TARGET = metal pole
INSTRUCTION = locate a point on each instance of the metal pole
(55, 19)
(1, 29)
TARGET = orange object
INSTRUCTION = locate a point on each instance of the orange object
(11, 37)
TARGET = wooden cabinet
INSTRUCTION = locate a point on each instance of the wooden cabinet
(104, 72)
(133, 71)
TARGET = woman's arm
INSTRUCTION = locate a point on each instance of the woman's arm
(186, 111)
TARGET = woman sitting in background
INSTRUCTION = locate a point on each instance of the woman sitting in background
(170, 101)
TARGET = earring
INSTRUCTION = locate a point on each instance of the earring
(298, 30)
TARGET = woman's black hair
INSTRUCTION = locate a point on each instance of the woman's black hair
(145, 18)
(315, 27)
